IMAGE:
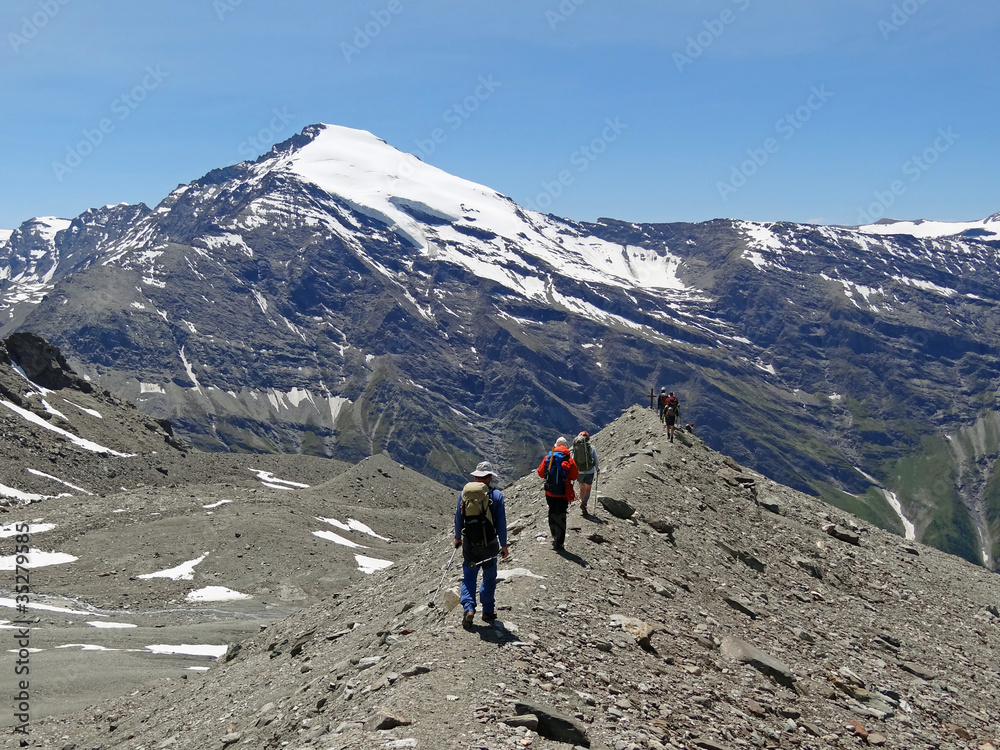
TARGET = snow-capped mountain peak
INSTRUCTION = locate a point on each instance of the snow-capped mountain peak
(48, 227)
(452, 219)
(392, 185)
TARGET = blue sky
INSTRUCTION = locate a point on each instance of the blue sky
(830, 111)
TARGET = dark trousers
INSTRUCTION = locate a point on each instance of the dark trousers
(557, 519)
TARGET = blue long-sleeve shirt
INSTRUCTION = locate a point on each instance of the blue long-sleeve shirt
(498, 510)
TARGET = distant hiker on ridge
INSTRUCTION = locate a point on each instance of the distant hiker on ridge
(585, 458)
(558, 470)
(671, 412)
(481, 532)
(661, 403)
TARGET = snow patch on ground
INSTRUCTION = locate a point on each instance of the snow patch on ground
(338, 539)
(893, 500)
(33, 528)
(36, 558)
(927, 286)
(182, 572)
(188, 649)
(336, 404)
(369, 565)
(24, 497)
(190, 370)
(272, 481)
(84, 409)
(79, 441)
(215, 594)
(352, 525)
(38, 473)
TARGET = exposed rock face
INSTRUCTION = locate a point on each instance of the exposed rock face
(270, 306)
(62, 437)
(54, 422)
(890, 647)
(43, 363)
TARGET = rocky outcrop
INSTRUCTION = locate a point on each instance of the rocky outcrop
(43, 363)
(58, 432)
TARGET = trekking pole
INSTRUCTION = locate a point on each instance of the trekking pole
(431, 604)
(593, 489)
(487, 560)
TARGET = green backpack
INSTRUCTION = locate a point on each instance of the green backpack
(582, 456)
(477, 515)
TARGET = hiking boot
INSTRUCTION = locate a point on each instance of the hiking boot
(489, 616)
(583, 508)
(470, 615)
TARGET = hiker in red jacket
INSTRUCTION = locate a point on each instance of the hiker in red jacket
(671, 413)
(559, 471)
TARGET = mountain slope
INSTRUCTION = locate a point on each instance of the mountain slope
(138, 557)
(641, 635)
(338, 297)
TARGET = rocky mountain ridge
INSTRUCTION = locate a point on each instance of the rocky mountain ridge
(703, 606)
(338, 297)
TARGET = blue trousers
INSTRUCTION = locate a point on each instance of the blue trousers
(470, 576)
